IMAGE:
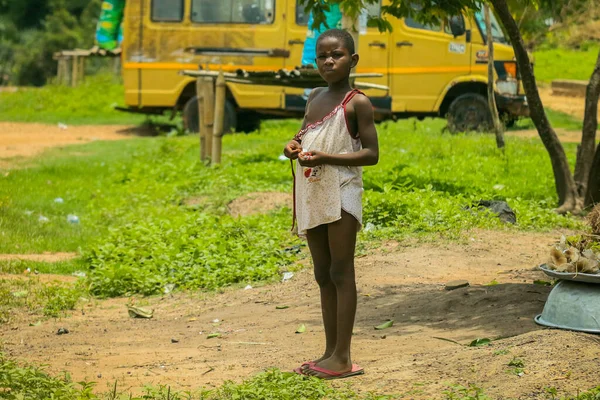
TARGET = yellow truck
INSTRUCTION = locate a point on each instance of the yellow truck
(429, 69)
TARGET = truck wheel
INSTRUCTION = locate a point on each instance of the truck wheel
(248, 122)
(469, 112)
(192, 124)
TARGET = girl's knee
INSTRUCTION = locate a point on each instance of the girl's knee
(342, 272)
(322, 276)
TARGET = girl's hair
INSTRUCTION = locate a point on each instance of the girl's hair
(341, 35)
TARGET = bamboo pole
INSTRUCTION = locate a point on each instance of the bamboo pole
(220, 92)
(82, 69)
(74, 74)
(209, 109)
(201, 127)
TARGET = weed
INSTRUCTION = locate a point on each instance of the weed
(471, 392)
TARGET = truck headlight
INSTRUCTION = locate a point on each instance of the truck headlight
(508, 87)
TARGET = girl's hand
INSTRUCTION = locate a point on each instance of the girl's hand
(292, 150)
(312, 158)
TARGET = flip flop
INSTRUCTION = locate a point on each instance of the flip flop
(356, 370)
(300, 370)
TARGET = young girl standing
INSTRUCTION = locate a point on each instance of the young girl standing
(337, 138)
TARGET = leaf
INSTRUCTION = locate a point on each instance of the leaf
(301, 329)
(543, 283)
(281, 307)
(213, 335)
(35, 323)
(480, 342)
(385, 325)
(138, 312)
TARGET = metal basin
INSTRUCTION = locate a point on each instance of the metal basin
(574, 306)
(571, 276)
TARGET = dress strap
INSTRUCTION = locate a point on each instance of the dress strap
(350, 95)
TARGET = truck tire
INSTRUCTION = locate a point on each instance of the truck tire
(191, 122)
(248, 121)
(469, 112)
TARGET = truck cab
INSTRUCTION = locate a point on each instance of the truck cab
(429, 69)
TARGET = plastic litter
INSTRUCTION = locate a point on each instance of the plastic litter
(369, 227)
(248, 287)
(72, 219)
(62, 126)
(283, 158)
(287, 276)
(59, 200)
(43, 219)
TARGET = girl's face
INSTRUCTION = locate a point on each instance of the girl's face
(334, 61)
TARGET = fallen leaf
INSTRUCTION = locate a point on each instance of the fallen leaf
(138, 312)
(301, 329)
(213, 335)
(385, 325)
(480, 342)
(281, 307)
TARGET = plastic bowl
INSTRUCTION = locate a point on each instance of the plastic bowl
(574, 306)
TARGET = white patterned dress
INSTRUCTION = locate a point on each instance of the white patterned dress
(322, 192)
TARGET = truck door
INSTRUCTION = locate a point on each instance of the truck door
(425, 59)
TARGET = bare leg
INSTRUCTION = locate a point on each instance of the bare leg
(342, 242)
(319, 250)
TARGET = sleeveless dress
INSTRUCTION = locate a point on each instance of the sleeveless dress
(322, 192)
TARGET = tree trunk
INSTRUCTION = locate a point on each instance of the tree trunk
(498, 128)
(565, 184)
(587, 171)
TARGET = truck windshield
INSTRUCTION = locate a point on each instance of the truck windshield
(497, 32)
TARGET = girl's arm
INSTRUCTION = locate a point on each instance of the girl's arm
(368, 155)
(294, 148)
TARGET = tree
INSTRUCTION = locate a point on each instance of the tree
(569, 197)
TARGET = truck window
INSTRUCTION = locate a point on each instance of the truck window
(233, 11)
(412, 23)
(167, 10)
(373, 10)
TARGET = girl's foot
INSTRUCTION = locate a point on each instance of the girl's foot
(329, 364)
(305, 366)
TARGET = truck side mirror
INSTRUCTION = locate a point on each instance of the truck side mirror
(457, 25)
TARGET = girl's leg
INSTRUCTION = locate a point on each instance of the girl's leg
(342, 242)
(318, 244)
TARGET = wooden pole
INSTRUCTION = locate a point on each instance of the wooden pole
(498, 128)
(209, 109)
(201, 126)
(75, 67)
(82, 68)
(221, 91)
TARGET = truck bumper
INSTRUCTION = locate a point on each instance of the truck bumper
(515, 106)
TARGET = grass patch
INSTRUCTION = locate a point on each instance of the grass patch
(37, 298)
(138, 234)
(29, 382)
(557, 120)
(92, 102)
(560, 63)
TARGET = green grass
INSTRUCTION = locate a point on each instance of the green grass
(90, 103)
(137, 234)
(562, 63)
(30, 382)
(557, 119)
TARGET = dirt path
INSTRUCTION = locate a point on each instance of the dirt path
(27, 140)
(402, 283)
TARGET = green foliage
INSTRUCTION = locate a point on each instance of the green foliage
(192, 252)
(28, 382)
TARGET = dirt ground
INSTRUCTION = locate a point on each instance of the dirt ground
(401, 282)
(27, 140)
